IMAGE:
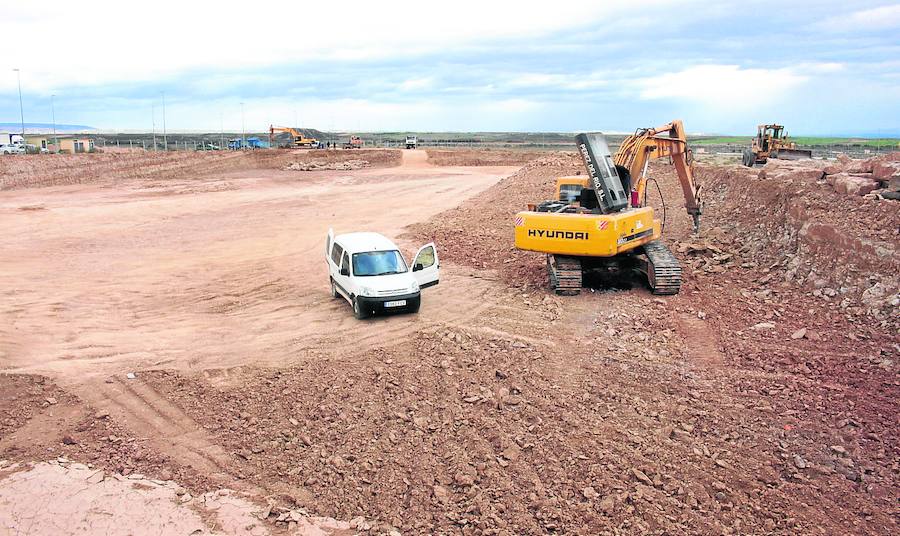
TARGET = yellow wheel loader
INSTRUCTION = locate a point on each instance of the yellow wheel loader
(600, 223)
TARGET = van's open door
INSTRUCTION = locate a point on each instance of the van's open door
(328, 242)
(425, 267)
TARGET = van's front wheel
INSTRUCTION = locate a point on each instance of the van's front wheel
(334, 292)
(358, 311)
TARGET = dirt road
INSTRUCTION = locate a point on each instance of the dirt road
(104, 281)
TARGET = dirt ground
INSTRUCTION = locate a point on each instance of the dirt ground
(173, 330)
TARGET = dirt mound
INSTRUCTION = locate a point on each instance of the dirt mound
(842, 249)
(327, 166)
(482, 157)
(877, 177)
(54, 170)
(379, 158)
(479, 232)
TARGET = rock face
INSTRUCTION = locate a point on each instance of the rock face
(854, 184)
(851, 177)
(836, 237)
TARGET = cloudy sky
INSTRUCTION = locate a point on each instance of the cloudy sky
(823, 68)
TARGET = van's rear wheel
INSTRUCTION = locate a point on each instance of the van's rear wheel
(358, 311)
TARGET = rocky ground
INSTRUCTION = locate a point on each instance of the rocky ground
(760, 400)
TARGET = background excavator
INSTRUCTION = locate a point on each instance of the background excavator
(299, 140)
(772, 142)
(594, 226)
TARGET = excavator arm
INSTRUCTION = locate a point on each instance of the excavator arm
(669, 140)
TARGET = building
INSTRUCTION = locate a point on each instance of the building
(76, 145)
(41, 142)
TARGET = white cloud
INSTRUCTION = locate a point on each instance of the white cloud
(416, 84)
(559, 81)
(170, 37)
(861, 22)
(721, 85)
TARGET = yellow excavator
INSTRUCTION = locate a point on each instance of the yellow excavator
(299, 140)
(600, 224)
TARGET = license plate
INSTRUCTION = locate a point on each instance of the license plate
(398, 303)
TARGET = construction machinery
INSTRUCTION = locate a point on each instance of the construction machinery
(299, 141)
(600, 224)
(772, 142)
(355, 142)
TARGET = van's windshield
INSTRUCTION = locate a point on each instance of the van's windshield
(378, 263)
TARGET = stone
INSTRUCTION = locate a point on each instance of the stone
(861, 166)
(799, 334)
(763, 326)
(883, 171)
(590, 493)
(641, 476)
(464, 479)
(799, 462)
(441, 493)
(50, 400)
(839, 450)
(608, 504)
(68, 440)
(854, 185)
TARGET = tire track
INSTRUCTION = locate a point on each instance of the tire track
(170, 431)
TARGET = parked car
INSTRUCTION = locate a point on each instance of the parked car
(12, 149)
(368, 271)
(34, 149)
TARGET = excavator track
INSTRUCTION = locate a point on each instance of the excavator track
(662, 268)
(565, 274)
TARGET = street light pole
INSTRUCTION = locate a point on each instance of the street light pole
(21, 108)
(153, 118)
(53, 117)
(243, 134)
(165, 139)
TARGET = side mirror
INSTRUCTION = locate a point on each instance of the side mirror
(345, 271)
(417, 267)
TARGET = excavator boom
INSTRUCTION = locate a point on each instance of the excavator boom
(670, 141)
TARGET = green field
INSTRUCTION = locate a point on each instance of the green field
(802, 140)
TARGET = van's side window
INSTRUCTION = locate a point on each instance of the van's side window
(345, 264)
(336, 253)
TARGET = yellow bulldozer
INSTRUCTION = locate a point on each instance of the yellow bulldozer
(600, 223)
(771, 141)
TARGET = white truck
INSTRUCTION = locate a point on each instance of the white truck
(368, 271)
(412, 142)
(11, 139)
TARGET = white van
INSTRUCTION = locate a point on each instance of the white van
(368, 271)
